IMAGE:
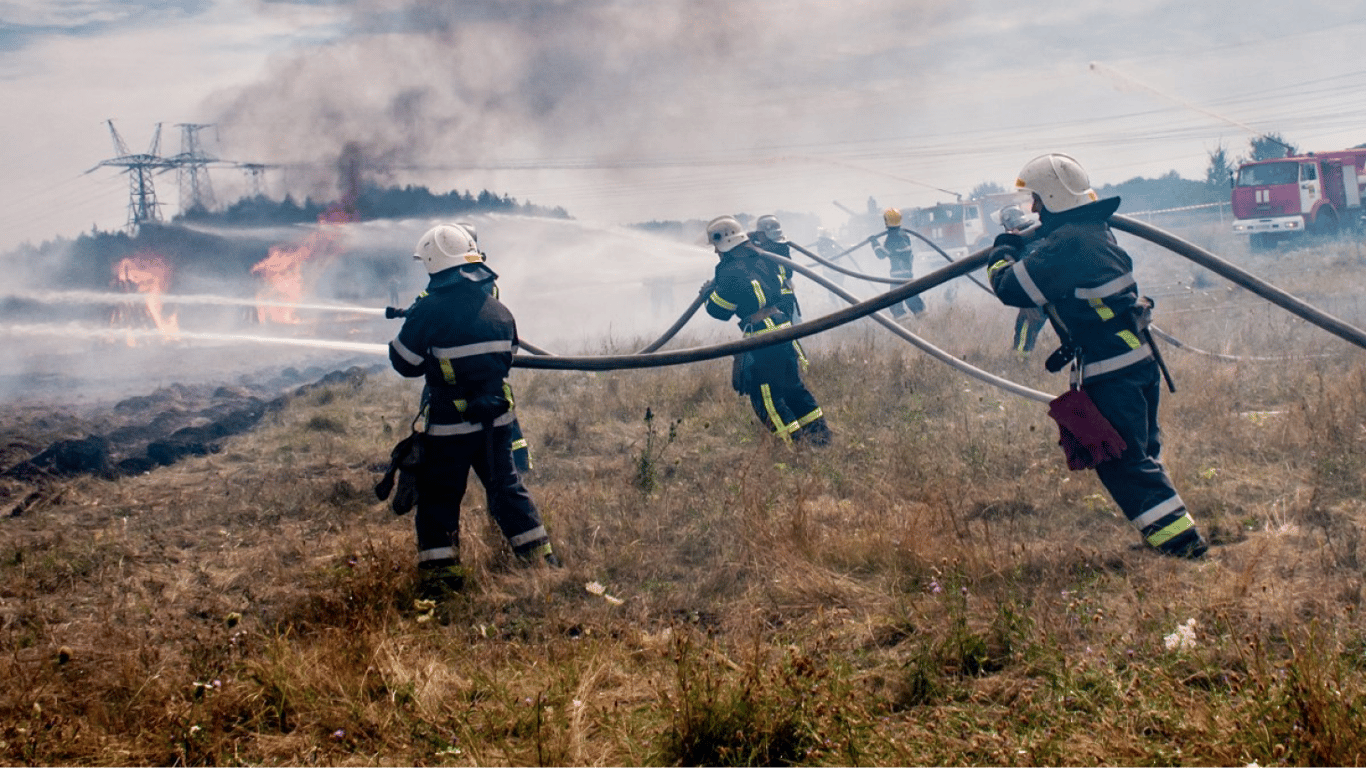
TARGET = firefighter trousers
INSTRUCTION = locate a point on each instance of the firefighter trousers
(446, 464)
(1137, 480)
(773, 382)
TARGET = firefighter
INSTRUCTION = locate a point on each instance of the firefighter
(746, 287)
(896, 248)
(1029, 320)
(1081, 277)
(768, 236)
(461, 339)
(828, 248)
(521, 450)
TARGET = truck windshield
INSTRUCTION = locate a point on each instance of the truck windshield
(1268, 174)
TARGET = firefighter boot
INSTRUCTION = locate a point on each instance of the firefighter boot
(539, 552)
(1189, 544)
(816, 434)
(440, 579)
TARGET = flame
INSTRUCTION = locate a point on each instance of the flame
(146, 272)
(289, 270)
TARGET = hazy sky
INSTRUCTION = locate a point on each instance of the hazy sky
(657, 109)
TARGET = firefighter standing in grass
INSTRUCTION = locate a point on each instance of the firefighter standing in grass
(461, 339)
(746, 286)
(896, 249)
(1029, 320)
(1078, 273)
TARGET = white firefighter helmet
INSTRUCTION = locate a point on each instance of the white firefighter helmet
(1014, 219)
(768, 224)
(725, 233)
(445, 246)
(1059, 181)
(469, 227)
(891, 217)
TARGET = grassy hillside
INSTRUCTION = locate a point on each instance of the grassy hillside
(935, 588)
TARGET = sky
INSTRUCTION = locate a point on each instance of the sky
(623, 111)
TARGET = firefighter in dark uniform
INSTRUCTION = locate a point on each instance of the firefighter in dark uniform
(896, 249)
(1079, 274)
(745, 286)
(461, 339)
(521, 451)
(1029, 320)
(768, 236)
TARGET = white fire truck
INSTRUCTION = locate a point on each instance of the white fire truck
(1288, 196)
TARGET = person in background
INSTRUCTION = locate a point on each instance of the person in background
(896, 249)
(1076, 272)
(461, 340)
(746, 287)
(768, 236)
(1029, 320)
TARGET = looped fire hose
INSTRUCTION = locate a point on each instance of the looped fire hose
(1271, 293)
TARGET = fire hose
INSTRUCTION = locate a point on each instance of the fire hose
(860, 309)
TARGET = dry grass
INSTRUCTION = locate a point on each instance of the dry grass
(935, 589)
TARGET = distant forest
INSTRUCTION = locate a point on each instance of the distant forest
(371, 202)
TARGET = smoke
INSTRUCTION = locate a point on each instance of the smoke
(443, 90)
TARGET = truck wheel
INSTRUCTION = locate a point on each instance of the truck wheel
(1326, 223)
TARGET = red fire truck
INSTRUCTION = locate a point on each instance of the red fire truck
(961, 227)
(1317, 193)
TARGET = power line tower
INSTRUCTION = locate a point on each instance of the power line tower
(142, 196)
(255, 173)
(192, 168)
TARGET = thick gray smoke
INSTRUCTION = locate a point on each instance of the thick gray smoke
(477, 84)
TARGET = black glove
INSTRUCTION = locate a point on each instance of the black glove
(486, 408)
(392, 312)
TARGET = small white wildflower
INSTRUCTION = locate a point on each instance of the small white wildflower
(1183, 637)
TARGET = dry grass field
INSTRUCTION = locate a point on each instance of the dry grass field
(934, 589)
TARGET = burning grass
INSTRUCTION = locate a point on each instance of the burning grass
(934, 589)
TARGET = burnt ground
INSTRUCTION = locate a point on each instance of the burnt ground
(44, 440)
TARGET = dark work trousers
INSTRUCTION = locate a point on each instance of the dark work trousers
(1137, 481)
(912, 303)
(446, 464)
(1028, 322)
(773, 381)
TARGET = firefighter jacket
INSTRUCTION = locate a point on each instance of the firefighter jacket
(461, 340)
(748, 287)
(896, 248)
(1079, 270)
(788, 298)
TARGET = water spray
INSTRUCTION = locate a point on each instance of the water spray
(110, 297)
(69, 330)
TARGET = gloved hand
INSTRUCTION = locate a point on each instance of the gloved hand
(392, 312)
(486, 408)
(1011, 240)
(880, 251)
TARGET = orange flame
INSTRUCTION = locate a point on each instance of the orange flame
(289, 270)
(148, 273)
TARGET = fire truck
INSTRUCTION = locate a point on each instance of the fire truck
(1288, 196)
(960, 227)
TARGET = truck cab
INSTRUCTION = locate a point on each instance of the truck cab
(1280, 198)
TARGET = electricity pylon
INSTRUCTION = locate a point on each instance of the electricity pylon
(192, 169)
(142, 195)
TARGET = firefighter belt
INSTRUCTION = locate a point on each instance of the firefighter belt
(1087, 437)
